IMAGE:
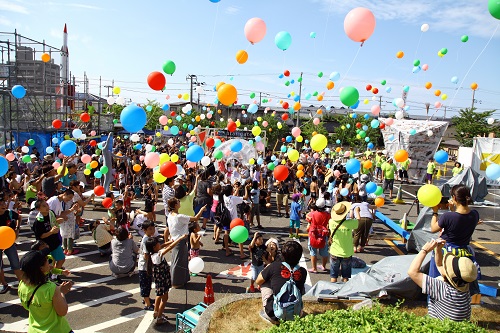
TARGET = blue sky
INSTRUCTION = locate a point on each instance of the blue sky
(126, 40)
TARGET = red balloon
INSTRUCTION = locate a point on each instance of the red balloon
(368, 87)
(172, 114)
(382, 125)
(358, 125)
(210, 142)
(231, 126)
(286, 73)
(280, 172)
(99, 190)
(284, 116)
(85, 117)
(107, 202)
(56, 123)
(168, 169)
(156, 80)
(285, 105)
(93, 143)
(375, 91)
(26, 143)
(236, 222)
(283, 140)
(212, 123)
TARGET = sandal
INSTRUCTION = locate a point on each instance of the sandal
(161, 320)
(231, 253)
(311, 270)
(245, 256)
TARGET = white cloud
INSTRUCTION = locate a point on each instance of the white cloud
(5, 21)
(9, 6)
(232, 10)
(457, 16)
(75, 5)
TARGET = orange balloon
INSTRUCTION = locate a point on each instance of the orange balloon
(94, 164)
(179, 96)
(473, 86)
(319, 111)
(428, 85)
(401, 155)
(219, 111)
(220, 84)
(45, 57)
(320, 97)
(197, 118)
(136, 167)
(314, 133)
(330, 85)
(241, 56)
(300, 167)
(379, 201)
(227, 94)
(300, 174)
(7, 237)
(437, 92)
(367, 164)
(400, 54)
(297, 106)
(337, 149)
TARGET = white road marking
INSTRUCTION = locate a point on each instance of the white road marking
(308, 284)
(113, 322)
(145, 322)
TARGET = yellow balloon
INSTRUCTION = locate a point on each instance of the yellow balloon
(280, 126)
(429, 195)
(251, 161)
(86, 172)
(158, 134)
(366, 101)
(299, 138)
(165, 128)
(169, 121)
(164, 158)
(159, 178)
(259, 119)
(358, 136)
(116, 90)
(293, 155)
(283, 161)
(343, 127)
(256, 130)
(192, 132)
(174, 158)
(319, 142)
(66, 137)
(238, 123)
(444, 97)
(185, 96)
(60, 169)
(221, 83)
(292, 93)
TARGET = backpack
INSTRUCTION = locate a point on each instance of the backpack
(288, 302)
(222, 215)
(317, 235)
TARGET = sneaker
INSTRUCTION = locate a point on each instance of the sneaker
(280, 215)
(250, 289)
(161, 320)
(149, 308)
(4, 288)
(287, 216)
(260, 227)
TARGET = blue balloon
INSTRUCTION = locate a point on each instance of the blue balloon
(100, 145)
(365, 128)
(454, 80)
(370, 145)
(289, 138)
(327, 150)
(133, 118)
(4, 166)
(406, 88)
(367, 139)
(98, 174)
(55, 141)
(493, 171)
(388, 89)
(338, 141)
(292, 81)
(367, 116)
(281, 76)
(416, 69)
(165, 107)
(334, 76)
(236, 146)
(190, 127)
(174, 130)
(406, 107)
(149, 108)
(283, 40)
(250, 142)
(178, 118)
(283, 149)
(391, 137)
(68, 147)
(190, 144)
(252, 108)
(307, 141)
(273, 158)
(217, 143)
(441, 156)
(260, 160)
(308, 96)
(375, 123)
(312, 35)
(214, 1)
(204, 108)
(195, 153)
(355, 106)
(354, 115)
(258, 138)
(77, 133)
(18, 91)
(352, 166)
(413, 131)
(344, 192)
(296, 98)
(328, 166)
(49, 150)
(138, 146)
(371, 187)
(348, 125)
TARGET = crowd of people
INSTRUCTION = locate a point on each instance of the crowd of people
(319, 197)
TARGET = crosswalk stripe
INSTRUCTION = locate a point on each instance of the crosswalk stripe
(111, 323)
(308, 284)
(145, 322)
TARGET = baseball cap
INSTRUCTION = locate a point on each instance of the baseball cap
(320, 203)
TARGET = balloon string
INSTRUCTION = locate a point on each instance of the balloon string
(350, 66)
(418, 46)
(326, 24)
(470, 68)
(213, 34)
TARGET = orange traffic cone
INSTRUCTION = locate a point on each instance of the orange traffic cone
(209, 291)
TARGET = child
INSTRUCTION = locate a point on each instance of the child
(158, 266)
(149, 199)
(128, 196)
(257, 251)
(194, 240)
(40, 245)
(295, 210)
(121, 219)
(272, 251)
(148, 228)
(255, 198)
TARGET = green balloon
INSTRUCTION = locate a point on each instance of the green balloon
(494, 8)
(271, 166)
(252, 95)
(315, 93)
(218, 154)
(243, 106)
(182, 148)
(239, 234)
(169, 67)
(299, 79)
(104, 169)
(26, 158)
(362, 134)
(115, 121)
(383, 82)
(444, 50)
(349, 96)
(417, 62)
(87, 166)
(153, 148)
(464, 38)
(320, 74)
(98, 152)
(31, 142)
(287, 83)
(184, 125)
(379, 190)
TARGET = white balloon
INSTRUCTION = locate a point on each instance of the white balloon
(196, 265)
(134, 137)
(180, 170)
(202, 116)
(148, 147)
(400, 102)
(430, 133)
(189, 107)
(170, 142)
(199, 89)
(120, 100)
(83, 136)
(424, 27)
(110, 100)
(205, 161)
(399, 115)
(374, 98)
(25, 149)
(491, 121)
(221, 119)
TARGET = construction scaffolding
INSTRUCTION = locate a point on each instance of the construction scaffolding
(49, 95)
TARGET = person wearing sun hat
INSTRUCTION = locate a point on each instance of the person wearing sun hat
(449, 295)
(340, 240)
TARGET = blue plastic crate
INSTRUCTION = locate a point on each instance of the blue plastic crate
(186, 321)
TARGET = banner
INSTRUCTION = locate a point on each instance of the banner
(486, 151)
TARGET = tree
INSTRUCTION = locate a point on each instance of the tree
(274, 133)
(308, 128)
(470, 124)
(353, 135)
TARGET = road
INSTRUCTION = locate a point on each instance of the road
(101, 303)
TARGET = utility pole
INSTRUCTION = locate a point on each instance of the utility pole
(260, 98)
(444, 115)
(300, 96)
(191, 78)
(380, 101)
(99, 106)
(473, 93)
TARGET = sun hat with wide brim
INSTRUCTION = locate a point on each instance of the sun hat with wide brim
(340, 210)
(459, 271)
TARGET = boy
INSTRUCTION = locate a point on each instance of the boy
(431, 166)
(257, 251)
(145, 280)
(295, 210)
(255, 197)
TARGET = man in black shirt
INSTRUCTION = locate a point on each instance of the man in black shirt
(9, 218)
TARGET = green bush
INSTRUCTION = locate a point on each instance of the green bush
(376, 319)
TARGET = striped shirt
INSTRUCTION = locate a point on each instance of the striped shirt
(446, 301)
(167, 194)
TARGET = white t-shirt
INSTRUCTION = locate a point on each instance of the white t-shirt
(178, 225)
(56, 205)
(364, 210)
(231, 202)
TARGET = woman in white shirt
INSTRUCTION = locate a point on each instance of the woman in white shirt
(364, 213)
(178, 226)
(231, 202)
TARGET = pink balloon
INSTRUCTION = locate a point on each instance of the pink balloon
(296, 131)
(359, 24)
(61, 156)
(86, 158)
(265, 123)
(437, 105)
(316, 121)
(259, 146)
(255, 30)
(163, 120)
(141, 158)
(193, 139)
(389, 121)
(167, 97)
(375, 110)
(336, 173)
(152, 160)
(191, 164)
(425, 67)
(56, 165)
(10, 157)
(188, 135)
(209, 115)
(93, 133)
(347, 154)
(227, 152)
(316, 155)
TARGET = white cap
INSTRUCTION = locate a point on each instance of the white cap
(320, 203)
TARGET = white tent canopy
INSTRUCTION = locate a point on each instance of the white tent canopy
(243, 156)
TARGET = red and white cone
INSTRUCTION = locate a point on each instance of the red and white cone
(209, 291)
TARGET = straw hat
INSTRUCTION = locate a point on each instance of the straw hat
(340, 210)
(459, 271)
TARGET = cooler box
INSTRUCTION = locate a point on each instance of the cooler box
(186, 321)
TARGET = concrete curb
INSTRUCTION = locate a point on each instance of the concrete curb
(204, 322)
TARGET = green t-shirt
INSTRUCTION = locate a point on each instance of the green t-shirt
(379, 160)
(342, 240)
(42, 315)
(389, 170)
(30, 192)
(431, 167)
(456, 171)
(186, 207)
(404, 165)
